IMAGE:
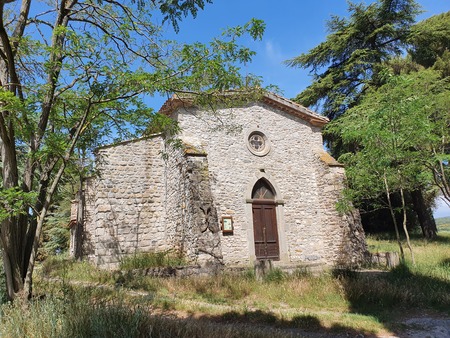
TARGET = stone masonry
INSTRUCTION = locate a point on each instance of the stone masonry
(125, 211)
(143, 201)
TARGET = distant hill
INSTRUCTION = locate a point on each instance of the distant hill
(443, 225)
(442, 220)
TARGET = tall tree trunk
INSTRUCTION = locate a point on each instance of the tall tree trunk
(78, 238)
(424, 214)
(28, 281)
(405, 229)
(10, 233)
(394, 220)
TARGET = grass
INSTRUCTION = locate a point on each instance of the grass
(432, 256)
(145, 260)
(444, 226)
(62, 267)
(365, 303)
(82, 314)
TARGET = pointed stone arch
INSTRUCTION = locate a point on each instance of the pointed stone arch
(265, 214)
(263, 190)
(262, 175)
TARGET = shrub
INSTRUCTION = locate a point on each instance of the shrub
(274, 275)
(145, 260)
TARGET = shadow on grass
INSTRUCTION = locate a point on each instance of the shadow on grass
(441, 239)
(303, 325)
(249, 324)
(90, 312)
(87, 319)
(390, 296)
(446, 263)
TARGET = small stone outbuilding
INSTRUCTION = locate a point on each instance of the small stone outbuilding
(247, 183)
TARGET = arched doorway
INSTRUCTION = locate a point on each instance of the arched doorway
(265, 221)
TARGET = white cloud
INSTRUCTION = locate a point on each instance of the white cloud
(273, 52)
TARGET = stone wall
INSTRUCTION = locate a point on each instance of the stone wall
(151, 196)
(190, 206)
(310, 230)
(344, 239)
(125, 211)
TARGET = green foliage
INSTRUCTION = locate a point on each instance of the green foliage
(360, 55)
(162, 124)
(274, 276)
(350, 60)
(56, 231)
(443, 64)
(345, 204)
(13, 202)
(174, 11)
(56, 234)
(150, 260)
(84, 81)
(430, 39)
(394, 129)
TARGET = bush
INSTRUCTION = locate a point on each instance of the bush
(275, 275)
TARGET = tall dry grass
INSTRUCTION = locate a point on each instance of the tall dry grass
(365, 302)
(80, 313)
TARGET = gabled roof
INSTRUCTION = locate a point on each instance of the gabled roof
(295, 109)
(268, 98)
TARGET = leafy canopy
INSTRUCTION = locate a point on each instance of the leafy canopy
(349, 61)
(395, 129)
(76, 74)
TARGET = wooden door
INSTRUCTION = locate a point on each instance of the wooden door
(265, 230)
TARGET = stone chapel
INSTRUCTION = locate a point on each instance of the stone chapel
(248, 183)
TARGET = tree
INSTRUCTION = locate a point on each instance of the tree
(397, 128)
(74, 74)
(430, 41)
(430, 47)
(351, 59)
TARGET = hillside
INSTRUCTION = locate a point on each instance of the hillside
(442, 221)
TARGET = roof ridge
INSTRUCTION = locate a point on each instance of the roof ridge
(275, 100)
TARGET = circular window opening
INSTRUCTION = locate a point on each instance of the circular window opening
(258, 143)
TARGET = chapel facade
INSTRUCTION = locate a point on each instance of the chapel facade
(248, 183)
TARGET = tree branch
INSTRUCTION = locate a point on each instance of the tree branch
(48, 199)
(21, 23)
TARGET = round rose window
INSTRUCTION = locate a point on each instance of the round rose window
(258, 143)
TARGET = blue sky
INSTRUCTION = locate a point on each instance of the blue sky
(292, 27)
